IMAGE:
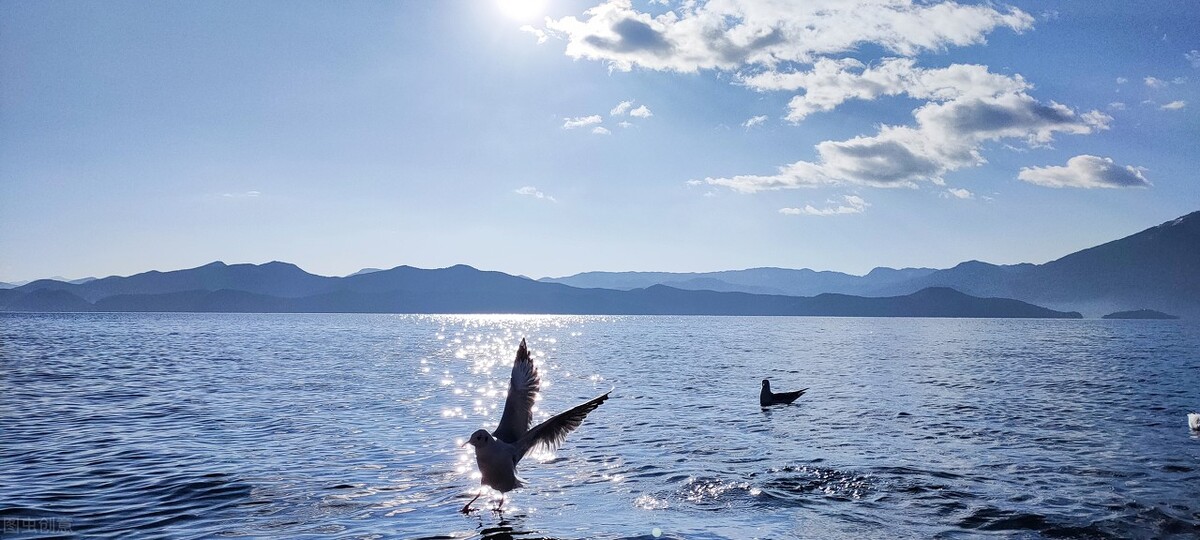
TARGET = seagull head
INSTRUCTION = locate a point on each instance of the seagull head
(480, 438)
(766, 384)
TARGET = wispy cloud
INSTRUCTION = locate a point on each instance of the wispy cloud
(807, 48)
(754, 121)
(582, 121)
(1086, 171)
(621, 108)
(729, 35)
(832, 82)
(641, 112)
(1116, 106)
(537, 32)
(601, 130)
(242, 195)
(624, 124)
(947, 137)
(1154, 82)
(1174, 105)
(1193, 58)
(530, 191)
(850, 204)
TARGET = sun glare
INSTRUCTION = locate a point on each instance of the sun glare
(521, 10)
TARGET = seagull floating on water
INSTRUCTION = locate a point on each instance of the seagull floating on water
(767, 398)
(1194, 421)
(497, 453)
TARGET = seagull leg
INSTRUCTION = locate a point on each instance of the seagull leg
(468, 506)
(501, 505)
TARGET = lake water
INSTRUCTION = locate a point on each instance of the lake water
(348, 426)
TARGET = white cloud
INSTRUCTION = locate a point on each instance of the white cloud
(242, 195)
(1174, 105)
(1154, 82)
(1193, 58)
(537, 32)
(726, 34)
(621, 108)
(581, 121)
(850, 204)
(783, 45)
(530, 191)
(1086, 171)
(832, 82)
(947, 137)
(1116, 106)
(958, 193)
(624, 124)
(601, 130)
(754, 121)
(641, 112)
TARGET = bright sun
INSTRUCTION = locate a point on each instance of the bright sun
(521, 9)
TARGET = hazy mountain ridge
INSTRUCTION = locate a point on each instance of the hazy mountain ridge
(463, 289)
(270, 279)
(763, 280)
(1153, 269)
(1157, 268)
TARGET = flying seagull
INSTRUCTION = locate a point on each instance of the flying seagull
(497, 453)
(767, 398)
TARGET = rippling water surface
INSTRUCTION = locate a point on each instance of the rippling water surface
(189, 425)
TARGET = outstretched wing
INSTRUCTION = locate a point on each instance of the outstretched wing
(553, 432)
(518, 407)
(788, 397)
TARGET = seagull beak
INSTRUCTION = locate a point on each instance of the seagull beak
(464, 443)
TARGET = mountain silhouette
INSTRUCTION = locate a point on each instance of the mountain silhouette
(1158, 268)
(793, 282)
(463, 289)
(271, 279)
(1154, 269)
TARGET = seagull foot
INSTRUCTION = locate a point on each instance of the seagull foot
(467, 508)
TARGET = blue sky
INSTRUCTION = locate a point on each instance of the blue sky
(830, 135)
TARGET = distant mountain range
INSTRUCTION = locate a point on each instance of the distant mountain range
(1154, 269)
(803, 282)
(283, 287)
(14, 285)
(1158, 268)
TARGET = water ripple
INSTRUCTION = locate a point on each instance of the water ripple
(350, 426)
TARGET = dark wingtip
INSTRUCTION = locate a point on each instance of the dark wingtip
(522, 351)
